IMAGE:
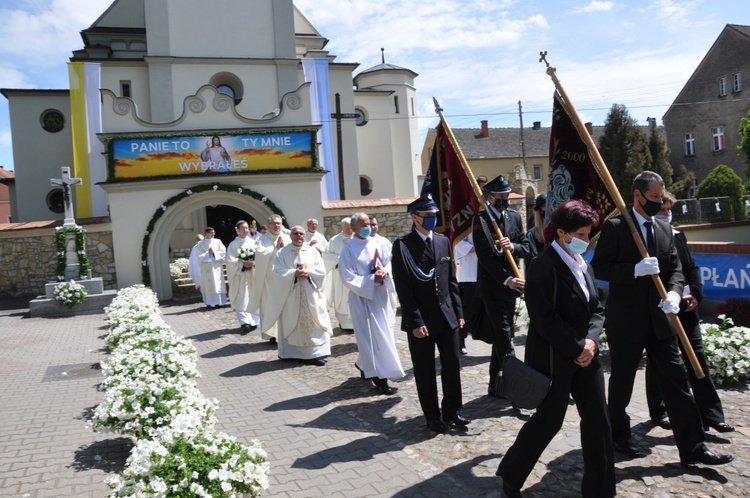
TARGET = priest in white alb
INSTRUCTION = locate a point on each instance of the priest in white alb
(313, 237)
(262, 299)
(211, 253)
(304, 326)
(241, 276)
(365, 266)
(194, 266)
(337, 293)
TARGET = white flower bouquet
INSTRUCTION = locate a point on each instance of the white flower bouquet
(70, 293)
(727, 350)
(193, 463)
(246, 253)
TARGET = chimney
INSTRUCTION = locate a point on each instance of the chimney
(537, 125)
(589, 128)
(485, 129)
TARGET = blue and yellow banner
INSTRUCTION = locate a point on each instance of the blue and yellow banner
(177, 155)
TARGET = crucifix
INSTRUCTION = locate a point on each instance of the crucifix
(66, 182)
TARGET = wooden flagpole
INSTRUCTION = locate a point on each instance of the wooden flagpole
(603, 172)
(474, 185)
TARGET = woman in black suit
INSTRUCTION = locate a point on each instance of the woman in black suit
(566, 321)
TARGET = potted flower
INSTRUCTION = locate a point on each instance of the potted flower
(70, 293)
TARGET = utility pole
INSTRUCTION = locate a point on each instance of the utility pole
(523, 147)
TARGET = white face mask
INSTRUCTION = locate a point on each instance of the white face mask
(664, 217)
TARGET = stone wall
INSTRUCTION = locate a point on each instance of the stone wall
(28, 256)
(393, 220)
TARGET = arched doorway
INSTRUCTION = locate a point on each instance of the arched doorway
(158, 240)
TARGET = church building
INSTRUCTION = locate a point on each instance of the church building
(185, 113)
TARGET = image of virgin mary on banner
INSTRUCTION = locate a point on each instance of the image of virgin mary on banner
(572, 172)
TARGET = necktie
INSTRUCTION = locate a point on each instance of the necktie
(650, 242)
(429, 254)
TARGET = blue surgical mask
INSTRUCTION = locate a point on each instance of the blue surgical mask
(430, 223)
(664, 217)
(576, 246)
(364, 232)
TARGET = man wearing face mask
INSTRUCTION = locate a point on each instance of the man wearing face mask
(636, 319)
(704, 391)
(431, 313)
(497, 286)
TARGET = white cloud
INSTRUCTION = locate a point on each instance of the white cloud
(595, 6)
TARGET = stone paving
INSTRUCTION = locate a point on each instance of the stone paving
(326, 431)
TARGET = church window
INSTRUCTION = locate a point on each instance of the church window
(55, 201)
(361, 119)
(365, 185)
(125, 88)
(52, 120)
(395, 103)
(228, 84)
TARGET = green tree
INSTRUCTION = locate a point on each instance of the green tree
(657, 147)
(684, 180)
(624, 148)
(721, 182)
(744, 146)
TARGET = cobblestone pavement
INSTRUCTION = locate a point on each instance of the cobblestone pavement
(327, 432)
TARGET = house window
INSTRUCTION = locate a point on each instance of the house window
(125, 88)
(722, 87)
(395, 103)
(689, 144)
(537, 172)
(718, 138)
(737, 82)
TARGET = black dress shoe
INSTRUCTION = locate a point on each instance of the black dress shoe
(436, 425)
(456, 418)
(318, 362)
(272, 340)
(510, 491)
(247, 328)
(706, 457)
(627, 448)
(663, 422)
(384, 388)
(721, 427)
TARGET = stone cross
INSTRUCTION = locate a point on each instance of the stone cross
(66, 182)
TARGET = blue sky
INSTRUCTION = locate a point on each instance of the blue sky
(478, 58)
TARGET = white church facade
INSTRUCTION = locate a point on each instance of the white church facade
(179, 107)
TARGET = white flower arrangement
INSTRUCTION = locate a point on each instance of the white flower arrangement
(193, 463)
(179, 267)
(727, 350)
(246, 253)
(70, 293)
(151, 396)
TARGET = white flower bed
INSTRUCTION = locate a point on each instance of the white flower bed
(150, 395)
(727, 350)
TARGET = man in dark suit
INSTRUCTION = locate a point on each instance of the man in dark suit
(431, 313)
(636, 320)
(704, 391)
(497, 286)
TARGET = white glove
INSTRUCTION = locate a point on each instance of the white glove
(671, 304)
(647, 266)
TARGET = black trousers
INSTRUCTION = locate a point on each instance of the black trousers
(669, 372)
(586, 385)
(704, 391)
(501, 315)
(423, 358)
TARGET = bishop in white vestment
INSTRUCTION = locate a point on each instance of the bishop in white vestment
(365, 266)
(211, 253)
(304, 326)
(262, 299)
(241, 276)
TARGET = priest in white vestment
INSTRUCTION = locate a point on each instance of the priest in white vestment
(262, 299)
(337, 293)
(304, 326)
(211, 253)
(365, 266)
(194, 266)
(313, 237)
(241, 276)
